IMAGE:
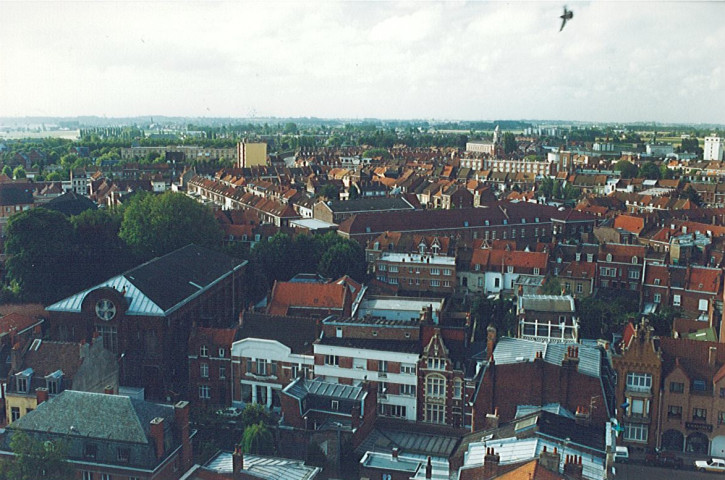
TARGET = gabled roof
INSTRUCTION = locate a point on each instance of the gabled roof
(306, 295)
(517, 350)
(50, 356)
(164, 284)
(264, 468)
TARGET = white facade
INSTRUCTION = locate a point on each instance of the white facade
(408, 381)
(713, 149)
(271, 352)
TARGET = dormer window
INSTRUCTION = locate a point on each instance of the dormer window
(53, 382)
(222, 352)
(657, 281)
(609, 257)
(578, 256)
(635, 260)
(22, 380)
(590, 257)
(204, 351)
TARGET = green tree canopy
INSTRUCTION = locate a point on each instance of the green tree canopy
(39, 246)
(509, 143)
(8, 171)
(346, 258)
(19, 172)
(255, 413)
(35, 460)
(649, 170)
(626, 169)
(258, 439)
(154, 225)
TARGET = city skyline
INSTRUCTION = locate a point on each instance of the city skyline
(613, 62)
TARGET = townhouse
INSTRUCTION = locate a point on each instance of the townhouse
(620, 266)
(692, 289)
(210, 366)
(497, 270)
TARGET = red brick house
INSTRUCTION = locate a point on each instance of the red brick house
(210, 366)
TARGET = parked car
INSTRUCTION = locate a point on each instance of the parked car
(662, 459)
(621, 454)
(710, 465)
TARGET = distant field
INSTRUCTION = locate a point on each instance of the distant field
(67, 134)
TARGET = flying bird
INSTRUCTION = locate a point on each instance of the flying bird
(568, 14)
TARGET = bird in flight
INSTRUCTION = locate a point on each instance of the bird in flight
(568, 14)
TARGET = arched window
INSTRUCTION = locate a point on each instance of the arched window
(609, 257)
(635, 260)
(435, 386)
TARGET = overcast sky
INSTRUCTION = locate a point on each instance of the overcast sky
(614, 61)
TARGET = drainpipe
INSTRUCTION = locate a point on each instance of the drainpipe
(659, 420)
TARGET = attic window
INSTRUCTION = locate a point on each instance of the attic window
(657, 281)
(635, 260)
(609, 257)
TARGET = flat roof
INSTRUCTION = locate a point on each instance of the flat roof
(418, 259)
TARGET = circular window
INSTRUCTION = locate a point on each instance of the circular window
(105, 309)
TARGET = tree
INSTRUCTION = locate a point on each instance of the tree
(154, 225)
(54, 177)
(346, 258)
(551, 286)
(691, 194)
(35, 459)
(649, 170)
(500, 312)
(8, 171)
(254, 414)
(509, 143)
(329, 191)
(19, 173)
(38, 260)
(257, 439)
(626, 169)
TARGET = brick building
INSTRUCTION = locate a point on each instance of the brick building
(210, 366)
(145, 314)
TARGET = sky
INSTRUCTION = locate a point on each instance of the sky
(483, 60)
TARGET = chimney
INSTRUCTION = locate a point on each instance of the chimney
(395, 453)
(83, 349)
(582, 416)
(712, 356)
(181, 421)
(15, 357)
(490, 340)
(550, 460)
(41, 395)
(237, 462)
(492, 419)
(355, 422)
(108, 390)
(490, 463)
(157, 435)
(573, 467)
(429, 469)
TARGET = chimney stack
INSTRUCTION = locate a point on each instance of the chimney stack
(490, 340)
(712, 356)
(237, 462)
(181, 421)
(108, 390)
(549, 460)
(429, 469)
(157, 434)
(395, 453)
(573, 467)
(492, 419)
(490, 463)
(41, 395)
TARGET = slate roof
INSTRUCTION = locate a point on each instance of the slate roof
(50, 356)
(267, 468)
(547, 303)
(297, 333)
(301, 388)
(70, 203)
(516, 350)
(113, 418)
(373, 204)
(162, 285)
(16, 194)
(402, 346)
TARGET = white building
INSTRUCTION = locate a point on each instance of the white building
(713, 149)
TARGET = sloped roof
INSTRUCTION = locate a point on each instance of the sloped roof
(266, 468)
(50, 356)
(547, 303)
(114, 418)
(297, 333)
(163, 284)
(516, 350)
(301, 388)
(306, 295)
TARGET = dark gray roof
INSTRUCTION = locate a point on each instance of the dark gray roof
(16, 193)
(94, 415)
(403, 346)
(302, 388)
(298, 333)
(370, 204)
(70, 203)
(547, 303)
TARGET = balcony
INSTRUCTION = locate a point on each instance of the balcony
(638, 391)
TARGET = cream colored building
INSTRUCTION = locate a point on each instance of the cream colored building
(251, 154)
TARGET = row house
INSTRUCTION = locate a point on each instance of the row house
(497, 270)
(398, 242)
(575, 267)
(210, 366)
(620, 266)
(499, 220)
(543, 168)
(272, 352)
(711, 194)
(693, 289)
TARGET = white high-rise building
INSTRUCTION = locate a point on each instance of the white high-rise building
(713, 148)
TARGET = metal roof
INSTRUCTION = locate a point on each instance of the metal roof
(547, 303)
(301, 388)
(516, 350)
(271, 468)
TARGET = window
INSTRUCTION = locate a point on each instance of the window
(86, 475)
(110, 337)
(393, 281)
(636, 432)
(658, 298)
(638, 407)
(674, 411)
(222, 352)
(393, 269)
(579, 288)
(435, 386)
(634, 274)
(332, 360)
(435, 283)
(106, 476)
(720, 418)
(382, 267)
(699, 415)
(657, 281)
(90, 450)
(510, 269)
(639, 382)
(536, 271)
(435, 271)
(407, 390)
(204, 368)
(677, 387)
(676, 300)
(407, 368)
(435, 413)
(699, 386)
(261, 366)
(14, 413)
(334, 405)
(22, 383)
(436, 364)
(635, 260)
(382, 388)
(609, 257)
(204, 391)
(123, 454)
(447, 271)
(398, 411)
(722, 392)
(457, 388)
(382, 366)
(702, 305)
(294, 371)
(222, 372)
(203, 351)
